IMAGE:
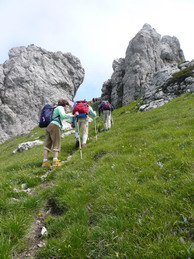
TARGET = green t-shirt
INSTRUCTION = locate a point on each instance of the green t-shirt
(59, 114)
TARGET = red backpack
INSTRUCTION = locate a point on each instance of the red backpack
(82, 107)
(106, 106)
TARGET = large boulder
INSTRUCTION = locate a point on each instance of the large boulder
(30, 78)
(147, 53)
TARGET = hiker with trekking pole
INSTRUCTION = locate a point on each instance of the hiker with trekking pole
(106, 109)
(82, 122)
(53, 130)
(95, 128)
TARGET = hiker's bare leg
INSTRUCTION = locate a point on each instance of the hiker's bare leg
(55, 155)
(109, 120)
(45, 162)
(85, 126)
(104, 116)
(45, 154)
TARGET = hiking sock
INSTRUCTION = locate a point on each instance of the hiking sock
(84, 140)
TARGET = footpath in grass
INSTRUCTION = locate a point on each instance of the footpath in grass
(131, 196)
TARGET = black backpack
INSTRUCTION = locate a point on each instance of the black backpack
(46, 116)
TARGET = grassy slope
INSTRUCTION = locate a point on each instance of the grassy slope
(130, 197)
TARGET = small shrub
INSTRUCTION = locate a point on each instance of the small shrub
(180, 76)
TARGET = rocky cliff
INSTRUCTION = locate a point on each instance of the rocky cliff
(147, 70)
(30, 78)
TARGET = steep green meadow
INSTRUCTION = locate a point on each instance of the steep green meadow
(131, 196)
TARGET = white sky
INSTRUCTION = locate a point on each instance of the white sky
(95, 31)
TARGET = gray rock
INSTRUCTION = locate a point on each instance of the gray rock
(27, 145)
(143, 107)
(65, 134)
(30, 78)
(190, 88)
(14, 200)
(149, 63)
(113, 88)
(24, 186)
(153, 105)
(189, 80)
(44, 231)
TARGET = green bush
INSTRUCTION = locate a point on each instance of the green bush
(180, 76)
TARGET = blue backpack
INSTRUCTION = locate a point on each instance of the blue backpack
(46, 116)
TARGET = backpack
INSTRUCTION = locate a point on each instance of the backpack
(81, 107)
(46, 116)
(106, 106)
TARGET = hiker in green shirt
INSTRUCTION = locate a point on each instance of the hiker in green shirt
(53, 133)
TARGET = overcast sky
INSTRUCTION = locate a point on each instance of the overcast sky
(95, 31)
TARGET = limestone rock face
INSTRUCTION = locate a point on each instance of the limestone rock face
(166, 85)
(147, 53)
(30, 78)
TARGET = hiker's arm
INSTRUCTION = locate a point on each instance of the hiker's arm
(92, 112)
(63, 115)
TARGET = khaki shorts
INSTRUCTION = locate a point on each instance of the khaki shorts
(53, 138)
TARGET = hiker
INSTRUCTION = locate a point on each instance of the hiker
(82, 121)
(95, 100)
(53, 133)
(105, 108)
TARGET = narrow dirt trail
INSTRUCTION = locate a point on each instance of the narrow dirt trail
(35, 237)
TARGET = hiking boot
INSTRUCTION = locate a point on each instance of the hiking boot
(83, 145)
(46, 164)
(56, 163)
(77, 143)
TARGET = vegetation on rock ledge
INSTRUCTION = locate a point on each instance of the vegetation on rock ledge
(180, 76)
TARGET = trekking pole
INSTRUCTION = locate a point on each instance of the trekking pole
(95, 128)
(80, 146)
(112, 122)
